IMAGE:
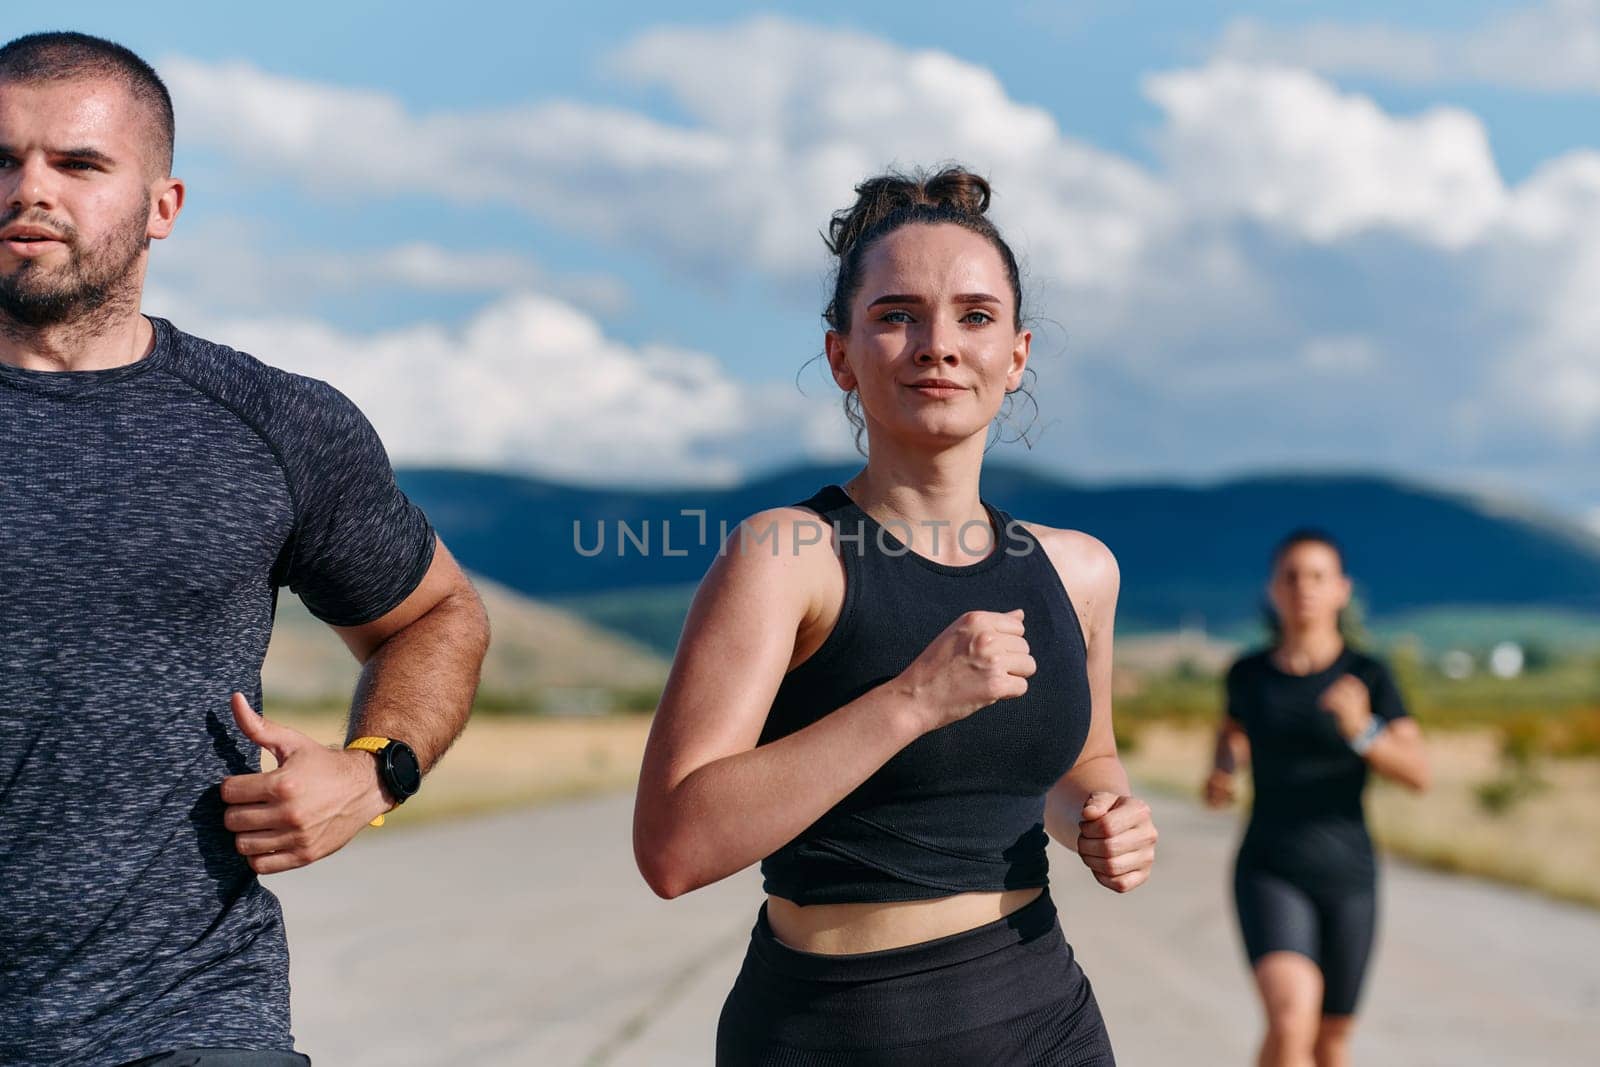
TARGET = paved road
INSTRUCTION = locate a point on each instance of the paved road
(529, 939)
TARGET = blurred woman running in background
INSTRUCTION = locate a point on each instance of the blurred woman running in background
(890, 692)
(1312, 714)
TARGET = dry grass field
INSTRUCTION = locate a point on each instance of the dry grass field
(506, 761)
(540, 657)
(1546, 836)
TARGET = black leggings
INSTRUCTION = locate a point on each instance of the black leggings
(1334, 928)
(1003, 994)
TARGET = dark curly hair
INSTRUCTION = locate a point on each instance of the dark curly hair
(887, 202)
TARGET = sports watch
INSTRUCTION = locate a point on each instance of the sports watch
(399, 770)
(1362, 742)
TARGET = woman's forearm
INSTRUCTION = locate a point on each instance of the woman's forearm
(734, 811)
(1063, 805)
(1223, 757)
(1398, 753)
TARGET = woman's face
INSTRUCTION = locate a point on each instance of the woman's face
(933, 345)
(1309, 587)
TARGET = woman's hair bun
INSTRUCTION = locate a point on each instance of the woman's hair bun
(952, 188)
(949, 194)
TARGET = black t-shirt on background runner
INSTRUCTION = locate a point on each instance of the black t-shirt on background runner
(1307, 821)
(148, 515)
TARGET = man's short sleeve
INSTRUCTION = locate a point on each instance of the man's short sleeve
(359, 545)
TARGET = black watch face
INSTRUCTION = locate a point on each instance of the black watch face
(405, 773)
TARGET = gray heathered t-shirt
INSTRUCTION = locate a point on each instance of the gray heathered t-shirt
(148, 515)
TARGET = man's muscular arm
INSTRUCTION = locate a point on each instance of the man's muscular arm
(420, 663)
(420, 666)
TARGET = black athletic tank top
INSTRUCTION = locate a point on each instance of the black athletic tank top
(961, 808)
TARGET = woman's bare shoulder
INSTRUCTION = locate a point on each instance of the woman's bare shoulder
(788, 532)
(1084, 556)
(774, 555)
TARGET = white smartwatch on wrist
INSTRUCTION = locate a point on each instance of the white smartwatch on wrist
(1363, 741)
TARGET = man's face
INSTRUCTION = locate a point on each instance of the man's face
(79, 200)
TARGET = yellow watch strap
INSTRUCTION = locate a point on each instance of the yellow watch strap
(373, 745)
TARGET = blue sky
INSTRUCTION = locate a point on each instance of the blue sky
(581, 240)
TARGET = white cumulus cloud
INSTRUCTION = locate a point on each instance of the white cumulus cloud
(1303, 276)
(784, 119)
(1550, 47)
(228, 265)
(1286, 148)
(530, 383)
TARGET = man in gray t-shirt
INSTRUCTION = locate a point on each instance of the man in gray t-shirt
(155, 492)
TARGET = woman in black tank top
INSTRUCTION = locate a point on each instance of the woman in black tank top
(891, 694)
(1313, 715)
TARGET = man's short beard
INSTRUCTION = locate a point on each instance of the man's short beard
(94, 282)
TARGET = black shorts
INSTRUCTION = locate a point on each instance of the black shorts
(1332, 927)
(1003, 994)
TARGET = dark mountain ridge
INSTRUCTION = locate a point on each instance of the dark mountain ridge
(1188, 552)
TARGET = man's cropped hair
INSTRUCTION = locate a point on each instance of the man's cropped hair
(63, 55)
